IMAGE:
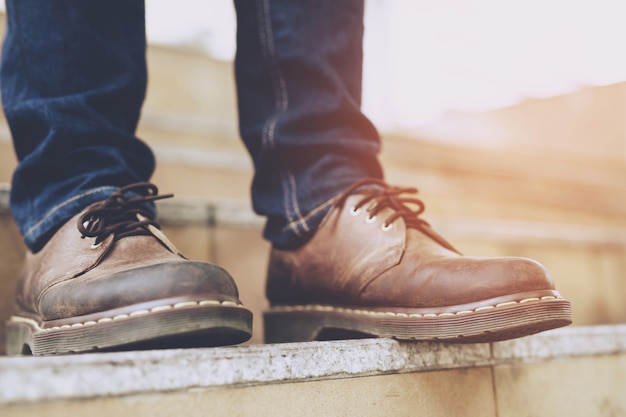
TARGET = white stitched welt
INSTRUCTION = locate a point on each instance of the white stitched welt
(64, 203)
(316, 307)
(137, 313)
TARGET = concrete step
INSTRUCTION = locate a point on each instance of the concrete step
(567, 372)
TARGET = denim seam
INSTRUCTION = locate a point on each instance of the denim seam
(290, 201)
(63, 204)
(313, 212)
(301, 220)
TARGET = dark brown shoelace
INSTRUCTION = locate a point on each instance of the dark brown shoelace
(118, 213)
(378, 195)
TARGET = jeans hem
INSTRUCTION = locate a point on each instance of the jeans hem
(36, 235)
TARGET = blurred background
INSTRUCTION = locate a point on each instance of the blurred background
(424, 61)
(509, 117)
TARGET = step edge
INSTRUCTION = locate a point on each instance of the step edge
(28, 379)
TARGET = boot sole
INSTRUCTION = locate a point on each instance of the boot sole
(164, 325)
(484, 323)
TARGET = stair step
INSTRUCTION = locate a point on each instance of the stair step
(577, 371)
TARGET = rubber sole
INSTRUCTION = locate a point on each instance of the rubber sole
(183, 324)
(485, 323)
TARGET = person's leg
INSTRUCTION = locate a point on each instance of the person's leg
(99, 273)
(298, 70)
(73, 81)
(351, 255)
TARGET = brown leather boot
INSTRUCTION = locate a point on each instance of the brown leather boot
(123, 285)
(374, 267)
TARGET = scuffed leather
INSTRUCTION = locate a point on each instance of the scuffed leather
(69, 277)
(350, 262)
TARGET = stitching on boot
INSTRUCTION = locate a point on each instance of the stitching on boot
(317, 307)
(184, 304)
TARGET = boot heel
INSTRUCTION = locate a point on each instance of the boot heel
(285, 327)
(19, 338)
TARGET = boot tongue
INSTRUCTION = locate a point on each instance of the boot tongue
(430, 232)
(378, 195)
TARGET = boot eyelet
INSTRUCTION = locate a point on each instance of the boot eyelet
(371, 219)
(96, 245)
(386, 227)
(354, 211)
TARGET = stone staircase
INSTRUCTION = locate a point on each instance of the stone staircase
(534, 196)
(578, 371)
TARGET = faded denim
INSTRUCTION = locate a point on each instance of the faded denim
(73, 80)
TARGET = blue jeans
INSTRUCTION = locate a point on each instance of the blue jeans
(73, 81)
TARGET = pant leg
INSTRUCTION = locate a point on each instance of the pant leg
(298, 70)
(73, 80)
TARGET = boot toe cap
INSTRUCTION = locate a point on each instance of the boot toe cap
(172, 282)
